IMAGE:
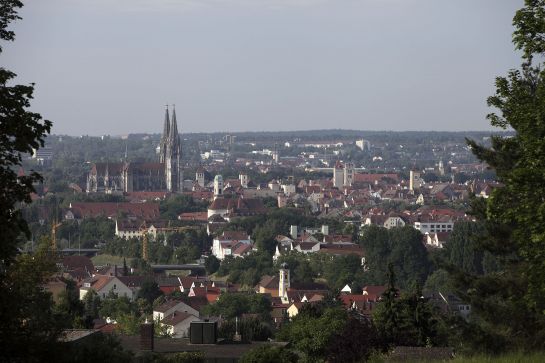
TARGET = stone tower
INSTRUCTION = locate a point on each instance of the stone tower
(171, 153)
(338, 175)
(284, 283)
(218, 186)
(348, 174)
(243, 177)
(199, 176)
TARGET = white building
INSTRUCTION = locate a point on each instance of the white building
(122, 286)
(178, 324)
(433, 226)
(231, 243)
(169, 307)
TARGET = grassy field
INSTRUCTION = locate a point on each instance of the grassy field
(103, 260)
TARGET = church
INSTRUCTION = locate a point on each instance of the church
(165, 175)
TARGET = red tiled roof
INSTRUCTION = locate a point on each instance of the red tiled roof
(194, 216)
(372, 178)
(374, 292)
(269, 282)
(242, 248)
(146, 196)
(149, 211)
(342, 249)
(78, 263)
(234, 235)
(241, 206)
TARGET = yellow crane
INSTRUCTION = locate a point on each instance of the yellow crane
(145, 249)
(55, 224)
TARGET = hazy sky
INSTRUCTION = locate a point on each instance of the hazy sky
(110, 66)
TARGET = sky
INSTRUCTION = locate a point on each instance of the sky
(110, 66)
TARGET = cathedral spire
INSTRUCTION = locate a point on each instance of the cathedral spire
(174, 125)
(163, 145)
(166, 128)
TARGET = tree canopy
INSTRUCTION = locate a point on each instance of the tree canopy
(514, 215)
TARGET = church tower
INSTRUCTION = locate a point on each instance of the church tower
(171, 153)
(218, 187)
(284, 283)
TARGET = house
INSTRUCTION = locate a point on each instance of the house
(236, 207)
(437, 239)
(394, 220)
(346, 289)
(268, 285)
(434, 223)
(294, 309)
(359, 303)
(374, 292)
(210, 293)
(279, 313)
(77, 268)
(231, 243)
(178, 323)
(56, 287)
(169, 307)
(200, 217)
(127, 286)
(130, 228)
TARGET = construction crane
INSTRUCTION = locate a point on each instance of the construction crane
(145, 249)
(54, 226)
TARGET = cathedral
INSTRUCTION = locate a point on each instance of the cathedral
(142, 176)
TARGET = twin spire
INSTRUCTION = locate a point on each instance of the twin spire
(170, 129)
(170, 141)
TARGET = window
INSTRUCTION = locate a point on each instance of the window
(115, 287)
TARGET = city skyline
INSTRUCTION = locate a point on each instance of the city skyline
(235, 66)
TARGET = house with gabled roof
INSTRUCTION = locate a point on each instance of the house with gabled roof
(169, 307)
(103, 285)
(268, 285)
(178, 323)
(231, 243)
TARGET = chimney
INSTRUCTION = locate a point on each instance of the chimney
(146, 336)
(115, 270)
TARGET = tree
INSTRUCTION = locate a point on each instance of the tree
(514, 215)
(149, 291)
(125, 267)
(462, 249)
(231, 305)
(21, 131)
(355, 342)
(211, 264)
(29, 329)
(69, 304)
(269, 354)
(312, 330)
(408, 319)
(401, 246)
